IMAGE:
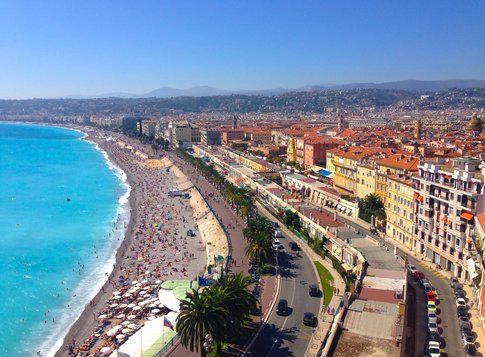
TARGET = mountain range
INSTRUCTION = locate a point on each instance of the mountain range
(202, 91)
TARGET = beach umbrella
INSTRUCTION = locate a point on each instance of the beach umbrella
(152, 305)
(116, 297)
(143, 292)
(126, 330)
(131, 306)
(134, 282)
(147, 288)
(126, 323)
(158, 282)
(131, 317)
(102, 317)
(113, 305)
(120, 336)
(116, 293)
(120, 316)
(139, 285)
(155, 311)
(117, 327)
(151, 317)
(145, 281)
(105, 350)
(111, 332)
(137, 308)
(122, 306)
(161, 306)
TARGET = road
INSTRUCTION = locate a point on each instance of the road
(449, 326)
(286, 335)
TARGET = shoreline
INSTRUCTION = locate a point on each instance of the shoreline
(85, 320)
(82, 328)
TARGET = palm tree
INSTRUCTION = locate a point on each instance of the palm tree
(198, 317)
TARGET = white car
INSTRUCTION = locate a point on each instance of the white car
(411, 268)
(460, 302)
(432, 317)
(432, 327)
(434, 349)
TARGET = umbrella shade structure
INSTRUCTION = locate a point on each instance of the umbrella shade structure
(156, 311)
(151, 317)
(126, 323)
(143, 292)
(152, 305)
(120, 316)
(134, 282)
(134, 326)
(116, 293)
(127, 295)
(131, 306)
(103, 317)
(137, 308)
(126, 330)
(112, 332)
(105, 350)
(161, 306)
(131, 317)
(122, 306)
(120, 336)
(116, 297)
(113, 305)
(158, 282)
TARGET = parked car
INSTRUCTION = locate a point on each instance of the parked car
(281, 247)
(412, 269)
(430, 296)
(418, 275)
(462, 312)
(460, 302)
(435, 336)
(431, 306)
(432, 317)
(275, 225)
(471, 351)
(434, 349)
(459, 293)
(463, 319)
(309, 319)
(293, 246)
(432, 327)
(278, 234)
(425, 282)
(467, 337)
(313, 290)
(454, 283)
(282, 308)
(465, 325)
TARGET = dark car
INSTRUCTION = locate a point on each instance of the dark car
(275, 225)
(465, 325)
(435, 336)
(282, 308)
(471, 351)
(418, 275)
(455, 283)
(309, 319)
(459, 293)
(463, 319)
(313, 290)
(462, 312)
(293, 246)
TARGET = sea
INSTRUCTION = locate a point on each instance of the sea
(63, 213)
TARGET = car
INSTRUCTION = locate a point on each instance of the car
(454, 283)
(432, 317)
(431, 306)
(275, 225)
(309, 319)
(461, 312)
(418, 275)
(434, 349)
(432, 327)
(293, 246)
(463, 319)
(275, 246)
(467, 338)
(374, 230)
(278, 234)
(276, 240)
(465, 325)
(424, 282)
(459, 293)
(460, 302)
(411, 268)
(313, 290)
(435, 336)
(471, 351)
(430, 296)
(281, 247)
(282, 308)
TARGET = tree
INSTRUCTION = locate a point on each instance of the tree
(292, 219)
(372, 206)
(199, 317)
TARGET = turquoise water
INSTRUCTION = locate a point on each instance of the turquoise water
(59, 201)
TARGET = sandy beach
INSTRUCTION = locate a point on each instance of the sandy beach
(157, 244)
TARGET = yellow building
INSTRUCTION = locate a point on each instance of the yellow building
(399, 209)
(397, 164)
(291, 150)
(366, 180)
(344, 167)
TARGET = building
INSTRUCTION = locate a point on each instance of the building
(149, 128)
(230, 135)
(291, 150)
(210, 137)
(300, 151)
(366, 180)
(475, 125)
(315, 151)
(448, 196)
(399, 210)
(182, 134)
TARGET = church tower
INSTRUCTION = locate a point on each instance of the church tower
(234, 122)
(417, 129)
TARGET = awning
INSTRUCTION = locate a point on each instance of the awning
(326, 173)
(466, 215)
(349, 210)
(418, 197)
(471, 268)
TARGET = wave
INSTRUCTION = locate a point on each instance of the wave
(92, 283)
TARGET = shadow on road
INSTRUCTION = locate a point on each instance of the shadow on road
(265, 347)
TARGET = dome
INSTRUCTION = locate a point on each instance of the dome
(475, 123)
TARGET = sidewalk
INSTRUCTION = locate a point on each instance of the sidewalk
(324, 320)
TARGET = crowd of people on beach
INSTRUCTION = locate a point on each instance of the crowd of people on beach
(163, 244)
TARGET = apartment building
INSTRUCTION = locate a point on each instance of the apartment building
(399, 209)
(366, 180)
(448, 196)
(315, 151)
(210, 137)
(230, 135)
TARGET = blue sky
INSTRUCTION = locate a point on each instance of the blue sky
(56, 48)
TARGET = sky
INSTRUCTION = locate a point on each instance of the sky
(58, 48)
